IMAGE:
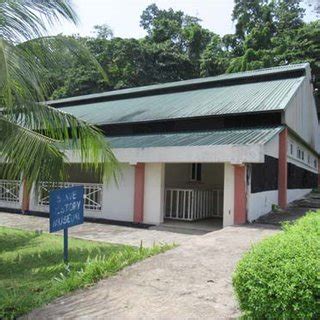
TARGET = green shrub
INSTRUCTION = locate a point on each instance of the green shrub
(279, 278)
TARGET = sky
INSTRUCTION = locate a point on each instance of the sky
(123, 16)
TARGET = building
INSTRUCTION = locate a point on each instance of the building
(229, 147)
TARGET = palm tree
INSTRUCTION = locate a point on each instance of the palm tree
(35, 139)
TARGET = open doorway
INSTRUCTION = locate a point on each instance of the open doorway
(194, 195)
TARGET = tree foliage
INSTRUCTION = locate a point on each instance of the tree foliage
(267, 33)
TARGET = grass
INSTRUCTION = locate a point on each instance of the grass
(32, 272)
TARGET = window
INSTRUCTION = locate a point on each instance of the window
(196, 172)
(291, 148)
(298, 153)
(302, 155)
(309, 159)
(315, 163)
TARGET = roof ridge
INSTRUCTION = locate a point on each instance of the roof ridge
(190, 83)
(264, 127)
(255, 136)
(243, 98)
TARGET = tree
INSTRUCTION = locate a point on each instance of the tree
(103, 31)
(268, 33)
(301, 45)
(34, 137)
(251, 60)
(288, 15)
(274, 17)
(250, 14)
(181, 31)
(127, 62)
(162, 25)
(215, 58)
(196, 39)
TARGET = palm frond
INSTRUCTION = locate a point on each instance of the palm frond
(66, 137)
(37, 140)
(27, 19)
(19, 77)
(30, 154)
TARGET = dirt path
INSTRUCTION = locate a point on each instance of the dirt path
(192, 281)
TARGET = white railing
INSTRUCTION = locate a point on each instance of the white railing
(92, 193)
(193, 204)
(10, 191)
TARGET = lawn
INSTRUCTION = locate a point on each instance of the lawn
(32, 271)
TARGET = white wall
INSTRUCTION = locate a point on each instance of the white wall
(228, 200)
(118, 199)
(301, 114)
(236, 154)
(292, 158)
(10, 205)
(294, 194)
(153, 193)
(271, 148)
(260, 203)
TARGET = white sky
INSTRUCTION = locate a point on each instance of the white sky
(123, 16)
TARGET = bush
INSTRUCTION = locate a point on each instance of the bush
(279, 278)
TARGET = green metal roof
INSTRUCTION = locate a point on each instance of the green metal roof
(246, 92)
(234, 99)
(286, 69)
(245, 136)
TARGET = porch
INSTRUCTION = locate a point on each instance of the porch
(185, 195)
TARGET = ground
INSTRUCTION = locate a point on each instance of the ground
(192, 281)
(98, 232)
(32, 271)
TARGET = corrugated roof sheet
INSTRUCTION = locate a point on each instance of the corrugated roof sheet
(234, 99)
(176, 84)
(245, 136)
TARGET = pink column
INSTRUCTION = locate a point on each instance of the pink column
(283, 169)
(139, 193)
(25, 198)
(240, 199)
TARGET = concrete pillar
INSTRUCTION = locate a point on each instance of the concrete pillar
(240, 197)
(25, 205)
(154, 193)
(283, 169)
(228, 195)
(139, 192)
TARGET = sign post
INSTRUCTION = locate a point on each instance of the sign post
(66, 210)
(65, 245)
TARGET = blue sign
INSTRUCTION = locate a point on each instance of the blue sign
(66, 208)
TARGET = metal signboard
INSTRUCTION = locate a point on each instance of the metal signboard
(66, 210)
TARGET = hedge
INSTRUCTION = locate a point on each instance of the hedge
(279, 278)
